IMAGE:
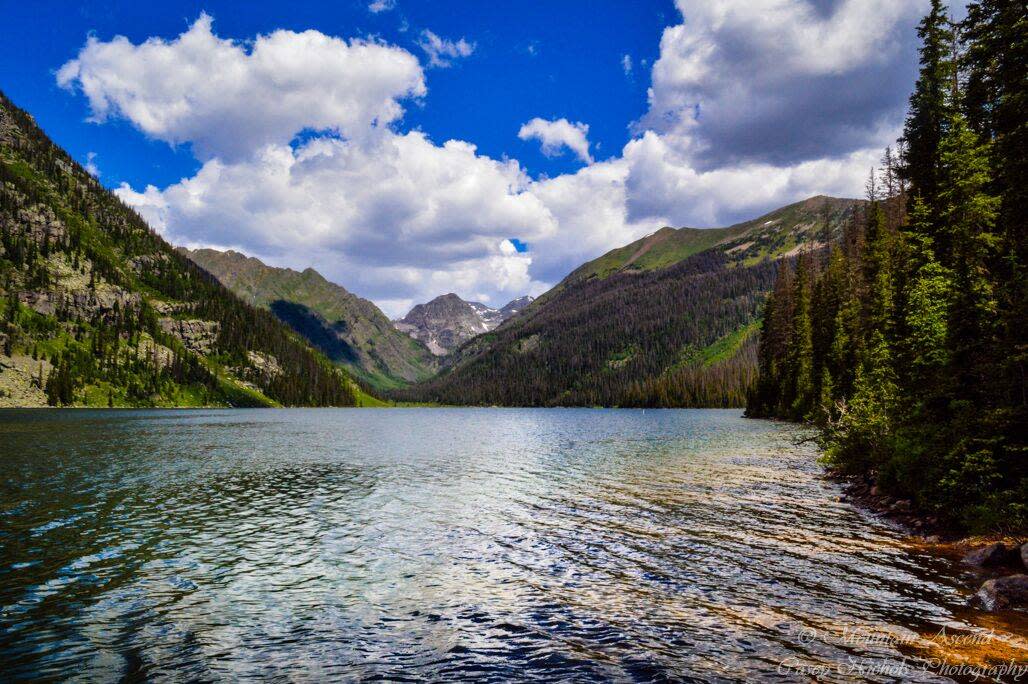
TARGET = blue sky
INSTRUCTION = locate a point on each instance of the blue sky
(531, 59)
(406, 149)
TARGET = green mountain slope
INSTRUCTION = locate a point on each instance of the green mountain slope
(669, 320)
(664, 248)
(771, 235)
(99, 310)
(348, 329)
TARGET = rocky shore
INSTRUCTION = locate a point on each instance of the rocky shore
(1003, 560)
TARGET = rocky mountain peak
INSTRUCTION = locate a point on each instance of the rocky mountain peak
(448, 321)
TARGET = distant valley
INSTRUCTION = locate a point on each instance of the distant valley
(668, 320)
(107, 313)
(349, 330)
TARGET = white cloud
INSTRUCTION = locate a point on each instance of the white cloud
(91, 168)
(442, 52)
(396, 217)
(781, 81)
(228, 100)
(556, 135)
(381, 6)
(663, 186)
(626, 64)
(399, 216)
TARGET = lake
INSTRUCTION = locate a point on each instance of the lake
(501, 544)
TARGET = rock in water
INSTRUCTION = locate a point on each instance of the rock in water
(987, 556)
(1003, 593)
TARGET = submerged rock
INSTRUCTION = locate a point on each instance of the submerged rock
(1003, 593)
(987, 556)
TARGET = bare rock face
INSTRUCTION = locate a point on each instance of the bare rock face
(265, 364)
(40, 223)
(448, 321)
(147, 262)
(444, 323)
(1003, 593)
(22, 380)
(198, 336)
(82, 303)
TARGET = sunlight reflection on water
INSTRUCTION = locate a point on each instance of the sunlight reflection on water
(442, 543)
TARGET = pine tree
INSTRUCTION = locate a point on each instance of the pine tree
(995, 34)
(801, 350)
(923, 384)
(968, 213)
(929, 104)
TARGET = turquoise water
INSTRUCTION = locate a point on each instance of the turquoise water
(498, 544)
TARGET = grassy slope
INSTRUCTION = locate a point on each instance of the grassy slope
(661, 249)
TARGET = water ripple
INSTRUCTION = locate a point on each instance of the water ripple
(415, 545)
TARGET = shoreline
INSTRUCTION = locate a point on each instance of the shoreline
(859, 491)
(999, 561)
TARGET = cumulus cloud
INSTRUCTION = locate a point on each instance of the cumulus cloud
(382, 219)
(442, 52)
(556, 135)
(731, 132)
(626, 64)
(91, 168)
(228, 99)
(781, 81)
(381, 6)
(662, 185)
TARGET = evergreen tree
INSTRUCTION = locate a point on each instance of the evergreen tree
(968, 214)
(929, 105)
(801, 349)
(930, 317)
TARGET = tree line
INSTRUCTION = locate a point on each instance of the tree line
(906, 341)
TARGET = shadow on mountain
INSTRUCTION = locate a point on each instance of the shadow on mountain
(315, 329)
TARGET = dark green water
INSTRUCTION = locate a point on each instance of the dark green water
(441, 544)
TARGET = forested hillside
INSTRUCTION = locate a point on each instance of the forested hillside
(98, 310)
(667, 321)
(908, 343)
(811, 221)
(349, 330)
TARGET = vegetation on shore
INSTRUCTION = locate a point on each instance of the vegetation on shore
(906, 341)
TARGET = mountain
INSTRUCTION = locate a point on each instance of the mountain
(98, 310)
(515, 306)
(349, 330)
(668, 320)
(770, 236)
(448, 321)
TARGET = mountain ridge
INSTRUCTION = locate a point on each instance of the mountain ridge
(349, 329)
(667, 320)
(447, 321)
(98, 310)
